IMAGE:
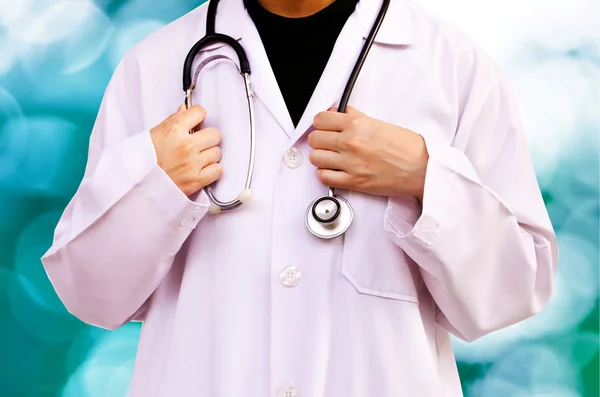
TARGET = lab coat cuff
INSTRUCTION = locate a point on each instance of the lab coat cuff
(402, 214)
(160, 189)
(407, 219)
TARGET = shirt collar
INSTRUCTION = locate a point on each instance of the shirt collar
(396, 29)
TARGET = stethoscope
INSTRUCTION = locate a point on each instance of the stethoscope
(328, 216)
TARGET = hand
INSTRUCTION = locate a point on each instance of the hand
(356, 152)
(190, 160)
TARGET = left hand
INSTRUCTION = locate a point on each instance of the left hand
(356, 152)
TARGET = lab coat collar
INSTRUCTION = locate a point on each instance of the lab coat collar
(229, 21)
(397, 28)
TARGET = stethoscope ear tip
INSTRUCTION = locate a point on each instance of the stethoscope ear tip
(214, 209)
(245, 196)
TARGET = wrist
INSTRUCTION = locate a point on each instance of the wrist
(420, 169)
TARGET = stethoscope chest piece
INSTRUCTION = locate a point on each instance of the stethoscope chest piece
(329, 216)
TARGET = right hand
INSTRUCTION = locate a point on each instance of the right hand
(190, 160)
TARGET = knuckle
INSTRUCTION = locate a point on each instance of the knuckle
(353, 143)
(218, 170)
(361, 180)
(218, 153)
(317, 119)
(184, 148)
(357, 122)
(313, 138)
(358, 180)
(176, 125)
(322, 176)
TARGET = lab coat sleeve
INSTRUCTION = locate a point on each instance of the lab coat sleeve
(117, 238)
(482, 238)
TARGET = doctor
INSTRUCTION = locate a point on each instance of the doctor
(450, 233)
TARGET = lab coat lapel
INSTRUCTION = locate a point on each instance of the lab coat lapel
(263, 79)
(334, 77)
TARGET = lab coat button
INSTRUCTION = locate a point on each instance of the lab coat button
(293, 158)
(288, 391)
(290, 276)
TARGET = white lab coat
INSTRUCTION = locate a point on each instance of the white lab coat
(371, 313)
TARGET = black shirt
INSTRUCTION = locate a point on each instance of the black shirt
(299, 44)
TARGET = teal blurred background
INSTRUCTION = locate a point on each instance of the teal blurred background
(56, 58)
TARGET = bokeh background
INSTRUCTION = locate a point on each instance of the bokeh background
(56, 57)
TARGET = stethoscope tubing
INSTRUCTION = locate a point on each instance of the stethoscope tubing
(212, 37)
(362, 57)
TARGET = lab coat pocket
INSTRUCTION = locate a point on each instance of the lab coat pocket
(371, 262)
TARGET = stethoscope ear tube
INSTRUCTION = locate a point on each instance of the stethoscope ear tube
(363, 56)
(189, 82)
(211, 16)
(206, 41)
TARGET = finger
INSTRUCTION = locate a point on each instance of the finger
(209, 174)
(209, 156)
(206, 138)
(190, 118)
(335, 179)
(320, 139)
(330, 121)
(326, 159)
